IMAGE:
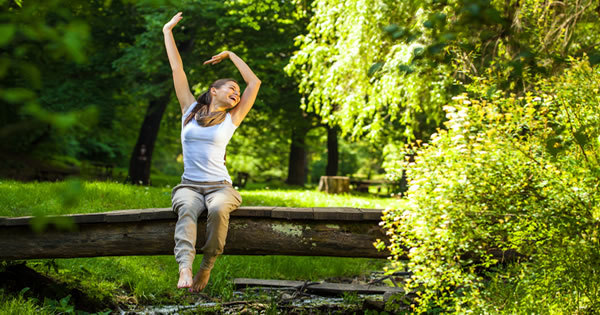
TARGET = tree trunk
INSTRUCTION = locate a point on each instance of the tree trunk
(334, 184)
(332, 152)
(297, 167)
(344, 232)
(141, 158)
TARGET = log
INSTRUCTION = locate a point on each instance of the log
(334, 184)
(342, 232)
(318, 287)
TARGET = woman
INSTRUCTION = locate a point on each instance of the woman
(207, 125)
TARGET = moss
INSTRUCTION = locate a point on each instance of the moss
(293, 230)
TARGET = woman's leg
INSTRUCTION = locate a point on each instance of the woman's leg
(220, 202)
(188, 203)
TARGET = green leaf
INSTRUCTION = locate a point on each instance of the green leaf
(64, 121)
(447, 37)
(436, 48)
(398, 34)
(374, 68)
(76, 34)
(406, 69)
(7, 31)
(474, 9)
(418, 52)
(17, 95)
(392, 28)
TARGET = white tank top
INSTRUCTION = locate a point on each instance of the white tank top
(204, 149)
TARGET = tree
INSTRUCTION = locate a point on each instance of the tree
(58, 90)
(332, 152)
(374, 65)
(508, 174)
(513, 167)
(249, 29)
(268, 31)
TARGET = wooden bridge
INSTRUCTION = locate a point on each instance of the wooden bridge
(342, 232)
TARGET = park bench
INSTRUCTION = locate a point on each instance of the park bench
(363, 185)
(342, 232)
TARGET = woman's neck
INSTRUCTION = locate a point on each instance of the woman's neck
(216, 108)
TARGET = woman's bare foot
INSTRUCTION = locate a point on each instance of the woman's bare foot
(185, 278)
(200, 280)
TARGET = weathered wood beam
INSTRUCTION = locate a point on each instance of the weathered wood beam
(317, 287)
(343, 232)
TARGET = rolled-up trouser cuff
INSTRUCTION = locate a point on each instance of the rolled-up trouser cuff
(208, 262)
(185, 265)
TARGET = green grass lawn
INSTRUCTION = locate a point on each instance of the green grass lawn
(152, 279)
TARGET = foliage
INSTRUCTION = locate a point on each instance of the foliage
(261, 33)
(76, 78)
(384, 68)
(59, 93)
(19, 305)
(46, 198)
(514, 173)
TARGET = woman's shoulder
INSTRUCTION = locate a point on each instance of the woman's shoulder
(188, 109)
(229, 120)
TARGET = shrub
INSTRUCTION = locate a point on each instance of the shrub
(507, 173)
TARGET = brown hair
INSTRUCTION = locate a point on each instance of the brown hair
(205, 99)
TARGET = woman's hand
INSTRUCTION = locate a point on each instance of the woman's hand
(169, 26)
(218, 58)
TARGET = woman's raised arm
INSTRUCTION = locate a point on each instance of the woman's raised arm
(182, 88)
(253, 84)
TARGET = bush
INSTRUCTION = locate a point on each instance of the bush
(507, 173)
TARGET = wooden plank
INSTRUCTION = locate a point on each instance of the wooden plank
(87, 218)
(150, 214)
(292, 213)
(117, 217)
(253, 212)
(248, 282)
(320, 287)
(371, 214)
(339, 288)
(17, 221)
(335, 214)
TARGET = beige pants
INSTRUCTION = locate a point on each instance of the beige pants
(189, 199)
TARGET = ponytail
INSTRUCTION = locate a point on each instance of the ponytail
(202, 101)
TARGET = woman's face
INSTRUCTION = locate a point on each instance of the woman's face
(228, 94)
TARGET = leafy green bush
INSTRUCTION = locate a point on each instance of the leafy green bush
(507, 173)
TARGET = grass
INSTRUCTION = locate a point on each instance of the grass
(74, 196)
(152, 279)
(18, 305)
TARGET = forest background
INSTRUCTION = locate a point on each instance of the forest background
(488, 107)
(88, 83)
